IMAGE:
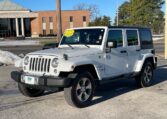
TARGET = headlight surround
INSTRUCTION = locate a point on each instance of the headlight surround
(55, 62)
(26, 60)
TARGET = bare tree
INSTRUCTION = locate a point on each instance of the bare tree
(92, 8)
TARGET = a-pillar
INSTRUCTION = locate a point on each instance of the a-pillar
(17, 27)
(22, 26)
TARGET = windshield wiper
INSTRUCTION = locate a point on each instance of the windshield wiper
(86, 45)
(70, 46)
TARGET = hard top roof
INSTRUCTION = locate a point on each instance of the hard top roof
(134, 27)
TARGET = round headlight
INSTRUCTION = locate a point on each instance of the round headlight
(54, 63)
(26, 60)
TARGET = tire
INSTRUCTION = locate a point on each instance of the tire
(145, 78)
(29, 92)
(81, 92)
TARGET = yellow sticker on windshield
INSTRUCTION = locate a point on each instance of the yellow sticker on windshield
(69, 33)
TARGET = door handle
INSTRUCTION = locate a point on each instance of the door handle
(138, 50)
(123, 51)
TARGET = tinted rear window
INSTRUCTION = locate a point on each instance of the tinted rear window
(146, 39)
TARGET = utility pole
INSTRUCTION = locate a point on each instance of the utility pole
(166, 29)
(117, 13)
(59, 20)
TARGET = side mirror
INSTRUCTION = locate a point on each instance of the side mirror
(112, 44)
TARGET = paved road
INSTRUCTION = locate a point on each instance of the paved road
(159, 48)
(21, 49)
(119, 100)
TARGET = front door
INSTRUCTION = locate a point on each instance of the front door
(116, 59)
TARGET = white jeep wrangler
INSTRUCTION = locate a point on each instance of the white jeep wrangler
(86, 58)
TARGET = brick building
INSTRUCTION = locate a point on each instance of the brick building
(16, 20)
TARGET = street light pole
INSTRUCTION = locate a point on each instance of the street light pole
(166, 29)
(59, 21)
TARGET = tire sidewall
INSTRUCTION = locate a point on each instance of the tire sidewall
(77, 102)
(142, 81)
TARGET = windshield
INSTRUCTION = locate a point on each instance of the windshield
(83, 37)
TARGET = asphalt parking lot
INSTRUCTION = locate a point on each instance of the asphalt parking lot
(118, 100)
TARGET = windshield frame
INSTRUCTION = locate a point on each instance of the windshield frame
(82, 44)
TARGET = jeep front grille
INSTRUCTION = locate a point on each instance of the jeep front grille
(40, 64)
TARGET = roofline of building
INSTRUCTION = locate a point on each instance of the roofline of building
(24, 9)
(18, 10)
(61, 10)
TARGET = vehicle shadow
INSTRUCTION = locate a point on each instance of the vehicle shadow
(120, 87)
(117, 88)
(52, 91)
(114, 89)
(160, 75)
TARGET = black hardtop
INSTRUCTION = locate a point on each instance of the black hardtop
(129, 27)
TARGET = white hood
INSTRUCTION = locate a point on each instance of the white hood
(59, 52)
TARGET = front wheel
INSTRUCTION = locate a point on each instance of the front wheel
(28, 91)
(80, 94)
(145, 78)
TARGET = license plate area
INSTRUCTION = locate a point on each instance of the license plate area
(30, 80)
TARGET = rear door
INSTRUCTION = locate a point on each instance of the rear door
(132, 47)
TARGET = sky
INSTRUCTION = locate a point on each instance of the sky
(107, 7)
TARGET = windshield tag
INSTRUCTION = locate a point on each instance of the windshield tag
(69, 33)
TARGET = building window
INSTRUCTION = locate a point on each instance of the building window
(50, 19)
(71, 19)
(44, 32)
(43, 20)
(51, 31)
(84, 18)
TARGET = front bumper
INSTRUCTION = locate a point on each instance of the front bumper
(43, 81)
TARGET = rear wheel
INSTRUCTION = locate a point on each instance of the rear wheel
(145, 78)
(80, 94)
(29, 92)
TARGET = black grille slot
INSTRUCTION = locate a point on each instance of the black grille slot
(33, 63)
(45, 65)
(48, 67)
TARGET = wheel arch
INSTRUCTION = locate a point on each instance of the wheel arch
(90, 68)
(87, 67)
(151, 60)
(145, 59)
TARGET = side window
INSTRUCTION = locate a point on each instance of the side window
(115, 35)
(146, 38)
(132, 37)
